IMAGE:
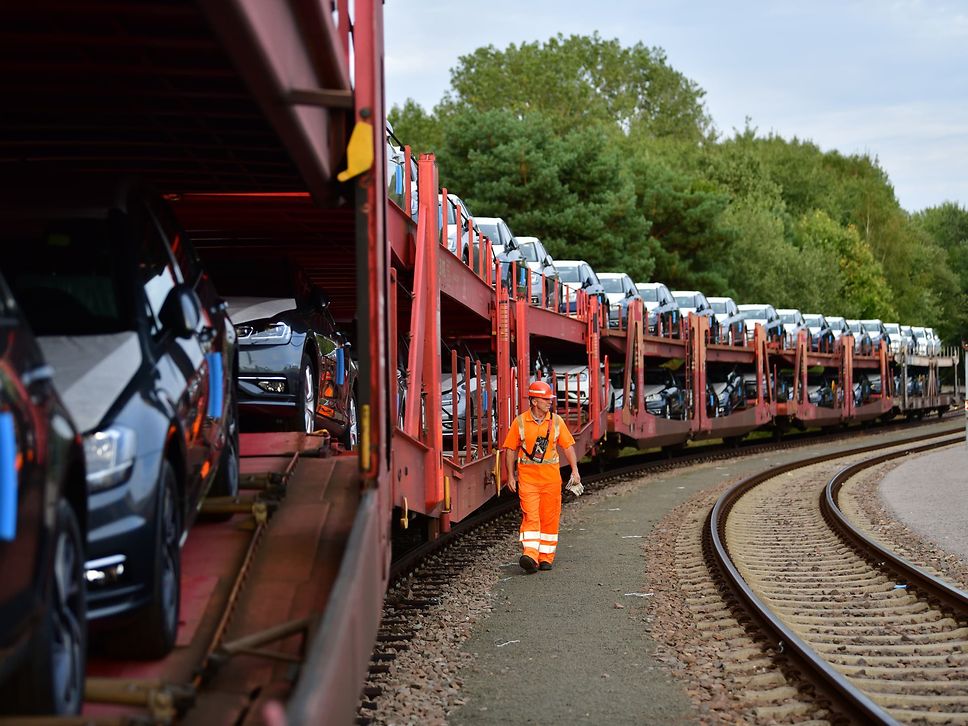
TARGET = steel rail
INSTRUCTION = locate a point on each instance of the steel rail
(857, 703)
(931, 586)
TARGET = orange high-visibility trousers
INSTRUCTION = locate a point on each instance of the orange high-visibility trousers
(541, 507)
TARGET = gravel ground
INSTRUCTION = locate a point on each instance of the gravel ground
(918, 508)
(611, 635)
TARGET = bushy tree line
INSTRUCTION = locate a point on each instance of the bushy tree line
(608, 154)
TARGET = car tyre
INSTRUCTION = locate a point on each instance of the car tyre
(226, 483)
(351, 437)
(152, 633)
(306, 398)
(51, 678)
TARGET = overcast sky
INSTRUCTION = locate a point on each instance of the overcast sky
(886, 78)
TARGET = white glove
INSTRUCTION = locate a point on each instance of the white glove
(575, 487)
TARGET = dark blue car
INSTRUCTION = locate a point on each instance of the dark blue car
(43, 627)
(144, 357)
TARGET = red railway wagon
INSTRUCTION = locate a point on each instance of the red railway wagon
(436, 298)
(243, 114)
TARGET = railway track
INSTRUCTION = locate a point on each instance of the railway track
(885, 641)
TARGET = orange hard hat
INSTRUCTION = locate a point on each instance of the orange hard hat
(540, 389)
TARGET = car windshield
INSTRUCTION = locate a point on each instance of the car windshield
(814, 321)
(872, 325)
(854, 327)
(70, 276)
(490, 231)
(685, 301)
(612, 284)
(892, 327)
(569, 274)
(650, 294)
(529, 251)
(919, 334)
(720, 307)
(789, 318)
(755, 313)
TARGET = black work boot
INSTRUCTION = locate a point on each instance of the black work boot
(528, 565)
(544, 566)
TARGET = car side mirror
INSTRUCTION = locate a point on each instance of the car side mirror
(181, 312)
(586, 283)
(630, 293)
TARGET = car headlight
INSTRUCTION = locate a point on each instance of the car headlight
(109, 456)
(271, 334)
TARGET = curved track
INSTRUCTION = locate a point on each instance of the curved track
(887, 641)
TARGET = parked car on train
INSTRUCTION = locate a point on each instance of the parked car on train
(725, 396)
(693, 301)
(468, 231)
(838, 326)
(43, 516)
(907, 340)
(863, 343)
(922, 346)
(620, 291)
(663, 310)
(897, 341)
(663, 395)
(730, 326)
(296, 369)
(821, 334)
(541, 264)
(793, 323)
(876, 330)
(144, 358)
(572, 386)
(466, 394)
(764, 315)
(579, 275)
(934, 340)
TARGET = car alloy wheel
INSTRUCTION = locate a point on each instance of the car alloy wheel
(351, 439)
(68, 615)
(50, 677)
(308, 402)
(169, 585)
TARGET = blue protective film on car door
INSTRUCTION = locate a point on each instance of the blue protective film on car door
(398, 179)
(340, 366)
(8, 478)
(215, 384)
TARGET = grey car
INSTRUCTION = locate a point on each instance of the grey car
(731, 326)
(663, 310)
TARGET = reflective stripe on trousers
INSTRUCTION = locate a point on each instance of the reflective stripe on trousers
(541, 508)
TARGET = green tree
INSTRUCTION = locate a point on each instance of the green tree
(570, 190)
(414, 126)
(580, 81)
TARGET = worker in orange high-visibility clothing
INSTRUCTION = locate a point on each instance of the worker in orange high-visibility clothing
(532, 443)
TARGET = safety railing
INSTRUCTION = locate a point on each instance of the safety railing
(471, 427)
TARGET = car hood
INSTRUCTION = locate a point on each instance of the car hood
(614, 297)
(653, 389)
(248, 309)
(91, 371)
(651, 305)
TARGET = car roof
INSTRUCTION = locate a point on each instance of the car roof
(529, 240)
(717, 298)
(570, 263)
(612, 275)
(489, 220)
(686, 292)
(787, 311)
